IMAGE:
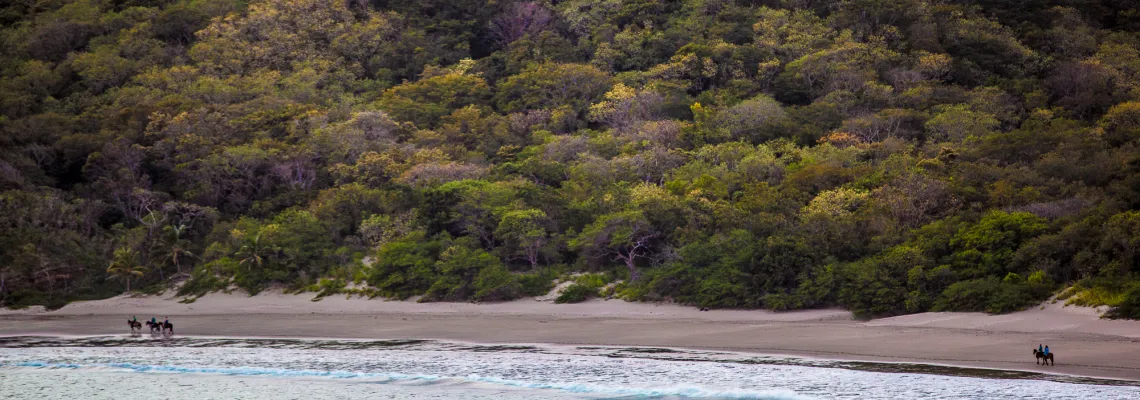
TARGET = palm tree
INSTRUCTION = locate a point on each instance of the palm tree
(175, 248)
(125, 266)
(255, 252)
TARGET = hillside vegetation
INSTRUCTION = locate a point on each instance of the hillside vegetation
(886, 156)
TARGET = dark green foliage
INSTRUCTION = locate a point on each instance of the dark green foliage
(887, 156)
(206, 278)
(1130, 307)
(992, 295)
(406, 267)
(576, 293)
(465, 272)
(537, 283)
(495, 283)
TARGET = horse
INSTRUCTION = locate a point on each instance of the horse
(134, 325)
(1044, 359)
(161, 328)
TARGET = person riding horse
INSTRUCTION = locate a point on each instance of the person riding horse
(134, 324)
(161, 327)
(1044, 357)
(154, 327)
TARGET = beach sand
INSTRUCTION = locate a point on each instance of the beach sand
(1084, 344)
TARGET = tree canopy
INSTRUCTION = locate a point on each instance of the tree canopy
(887, 156)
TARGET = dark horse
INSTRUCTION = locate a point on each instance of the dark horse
(134, 325)
(1042, 358)
(161, 327)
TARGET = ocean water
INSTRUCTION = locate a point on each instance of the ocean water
(231, 368)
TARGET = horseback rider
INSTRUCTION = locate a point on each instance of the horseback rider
(1039, 349)
(153, 320)
(1046, 350)
(134, 319)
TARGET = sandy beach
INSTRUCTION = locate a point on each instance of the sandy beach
(1084, 344)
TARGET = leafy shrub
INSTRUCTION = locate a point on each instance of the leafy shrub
(405, 267)
(969, 295)
(1098, 292)
(576, 293)
(328, 287)
(614, 290)
(596, 281)
(991, 296)
(537, 283)
(869, 289)
(495, 283)
(724, 288)
(1128, 307)
(204, 279)
(459, 268)
(781, 301)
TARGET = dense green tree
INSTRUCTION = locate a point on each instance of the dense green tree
(888, 156)
(126, 267)
(526, 231)
(549, 85)
(624, 237)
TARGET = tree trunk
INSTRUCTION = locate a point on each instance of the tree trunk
(128, 285)
(532, 257)
(633, 273)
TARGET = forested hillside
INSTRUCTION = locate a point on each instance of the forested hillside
(886, 156)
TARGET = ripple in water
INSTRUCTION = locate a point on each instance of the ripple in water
(185, 368)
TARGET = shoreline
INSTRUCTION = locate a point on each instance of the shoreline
(802, 360)
(1086, 346)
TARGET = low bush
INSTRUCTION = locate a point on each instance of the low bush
(576, 293)
(1129, 306)
(328, 287)
(537, 283)
(204, 278)
(1098, 292)
(495, 283)
(993, 296)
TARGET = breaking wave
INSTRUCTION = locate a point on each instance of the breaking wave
(681, 391)
(34, 367)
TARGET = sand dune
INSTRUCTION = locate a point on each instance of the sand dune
(1084, 344)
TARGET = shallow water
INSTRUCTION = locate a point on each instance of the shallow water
(195, 368)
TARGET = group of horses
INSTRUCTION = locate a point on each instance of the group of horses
(160, 328)
(1043, 358)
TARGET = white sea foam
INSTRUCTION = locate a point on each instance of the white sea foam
(418, 369)
(673, 391)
